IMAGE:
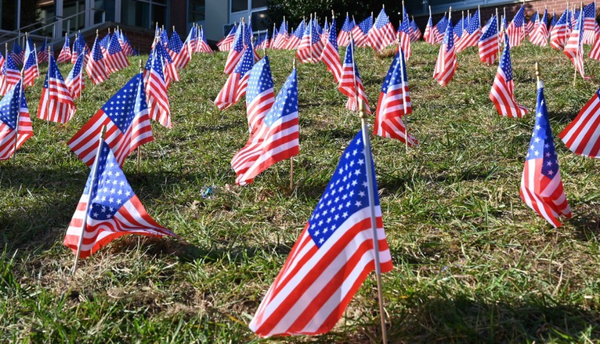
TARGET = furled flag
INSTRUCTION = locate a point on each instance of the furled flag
(516, 28)
(259, 93)
(10, 75)
(282, 35)
(574, 47)
(30, 70)
(14, 120)
(429, 34)
(488, 44)
(236, 50)
(539, 37)
(440, 29)
(42, 52)
(75, 80)
(235, 86)
(502, 92)
(344, 35)
(350, 83)
(108, 209)
(582, 136)
(65, 53)
(128, 126)
(532, 24)
(115, 59)
(226, 43)
(554, 19)
(404, 35)
(179, 53)
(458, 30)
(415, 34)
(558, 34)
(332, 257)
(77, 50)
(95, 67)
(56, 103)
(471, 34)
(394, 102)
(382, 34)
(589, 23)
(1, 62)
(310, 48)
(541, 184)
(275, 139)
(156, 91)
(330, 56)
(445, 65)
(294, 39)
(169, 69)
(18, 54)
(202, 46)
(360, 32)
(595, 52)
(126, 45)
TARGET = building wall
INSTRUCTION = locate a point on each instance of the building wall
(178, 17)
(217, 13)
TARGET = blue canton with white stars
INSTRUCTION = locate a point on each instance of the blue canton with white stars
(238, 42)
(442, 24)
(589, 11)
(17, 48)
(382, 20)
(519, 18)
(246, 62)
(283, 27)
(77, 67)
(248, 33)
(165, 55)
(405, 25)
(300, 29)
(580, 27)
(505, 63)
(333, 35)
(473, 23)
(111, 189)
(105, 41)
(10, 107)
(347, 26)
(542, 142)
(97, 52)
(286, 102)
(346, 193)
(492, 30)
(127, 103)
(366, 25)
(115, 46)
(449, 37)
(31, 60)
(9, 63)
(53, 71)
(157, 63)
(458, 28)
(396, 73)
(349, 58)
(260, 79)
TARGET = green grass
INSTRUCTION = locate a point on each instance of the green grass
(472, 262)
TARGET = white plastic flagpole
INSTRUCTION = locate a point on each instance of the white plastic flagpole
(479, 14)
(89, 200)
(310, 39)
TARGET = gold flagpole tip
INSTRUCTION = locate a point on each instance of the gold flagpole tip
(294, 63)
(333, 14)
(537, 70)
(141, 65)
(96, 33)
(362, 113)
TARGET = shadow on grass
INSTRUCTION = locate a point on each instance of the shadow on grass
(563, 118)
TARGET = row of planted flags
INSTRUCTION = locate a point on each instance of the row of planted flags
(338, 247)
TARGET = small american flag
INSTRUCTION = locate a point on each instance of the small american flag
(224, 44)
(539, 37)
(595, 52)
(383, 33)
(471, 34)
(116, 59)
(360, 32)
(275, 139)
(533, 22)
(31, 70)
(445, 65)
(502, 93)
(350, 82)
(558, 34)
(104, 42)
(164, 38)
(236, 50)
(10, 75)
(125, 44)
(394, 102)
(404, 35)
(589, 23)
(516, 28)
(108, 209)
(282, 35)
(180, 55)
(75, 80)
(202, 46)
(169, 68)
(259, 93)
(14, 120)
(235, 86)
(42, 52)
(95, 67)
(18, 54)
(294, 40)
(65, 53)
(1, 63)
(56, 103)
(311, 47)
(429, 34)
(582, 135)
(330, 56)
(344, 35)
(128, 126)
(574, 47)
(541, 184)
(488, 44)
(332, 257)
(156, 90)
(415, 31)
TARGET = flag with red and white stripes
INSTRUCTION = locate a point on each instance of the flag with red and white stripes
(259, 93)
(589, 23)
(15, 124)
(574, 47)
(429, 34)
(226, 43)
(235, 86)
(156, 91)
(559, 32)
(541, 184)
(350, 82)
(75, 80)
(445, 65)
(488, 43)
(471, 34)
(236, 50)
(179, 53)
(294, 39)
(440, 29)
(330, 56)
(65, 52)
(202, 46)
(115, 58)
(95, 67)
(360, 32)
(404, 35)
(539, 37)
(516, 28)
(332, 257)
(56, 103)
(382, 34)
(344, 35)
(311, 47)
(502, 92)
(31, 70)
(582, 135)
(9, 75)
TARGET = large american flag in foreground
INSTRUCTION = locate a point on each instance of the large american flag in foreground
(108, 209)
(275, 139)
(541, 184)
(350, 83)
(128, 126)
(56, 103)
(582, 136)
(14, 120)
(502, 92)
(333, 256)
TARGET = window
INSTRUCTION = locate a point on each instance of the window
(144, 13)
(259, 3)
(196, 10)
(259, 21)
(239, 5)
(109, 10)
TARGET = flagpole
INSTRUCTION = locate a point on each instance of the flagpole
(479, 14)
(139, 157)
(310, 39)
(48, 102)
(89, 200)
(292, 158)
(18, 116)
(403, 93)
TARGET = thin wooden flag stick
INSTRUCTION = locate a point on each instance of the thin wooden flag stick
(18, 116)
(139, 156)
(292, 158)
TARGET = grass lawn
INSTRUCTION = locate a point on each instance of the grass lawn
(472, 262)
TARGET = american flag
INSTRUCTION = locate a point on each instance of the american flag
(202, 46)
(350, 83)
(445, 65)
(18, 54)
(559, 33)
(325, 32)
(65, 53)
(274, 37)
(360, 32)
(415, 31)
(115, 59)
(14, 120)
(275, 139)
(226, 43)
(404, 35)
(294, 39)
(394, 102)
(56, 103)
(263, 41)
(10, 75)
(541, 184)
(382, 34)
(344, 35)
(259, 93)
(192, 39)
(595, 52)
(429, 34)
(540, 36)
(589, 23)
(164, 38)
(128, 126)
(332, 257)
(235, 86)
(75, 80)
(125, 44)
(156, 91)
(104, 42)
(95, 67)
(108, 209)
(574, 46)
(532, 24)
(553, 22)
(311, 47)
(458, 30)
(1, 62)
(236, 50)
(169, 69)
(440, 29)
(471, 34)
(282, 35)
(488, 44)
(77, 49)
(180, 54)
(516, 28)
(502, 92)
(42, 52)
(331, 56)
(582, 135)
(31, 70)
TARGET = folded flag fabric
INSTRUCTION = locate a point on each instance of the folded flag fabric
(350, 82)
(56, 103)
(65, 52)
(445, 65)
(75, 80)
(15, 124)
(259, 93)
(502, 92)
(582, 135)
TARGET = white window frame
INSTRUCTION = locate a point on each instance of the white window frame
(236, 16)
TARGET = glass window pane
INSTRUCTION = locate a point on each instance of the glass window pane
(108, 6)
(159, 15)
(8, 20)
(238, 5)
(135, 13)
(196, 10)
(260, 21)
(70, 8)
(260, 3)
